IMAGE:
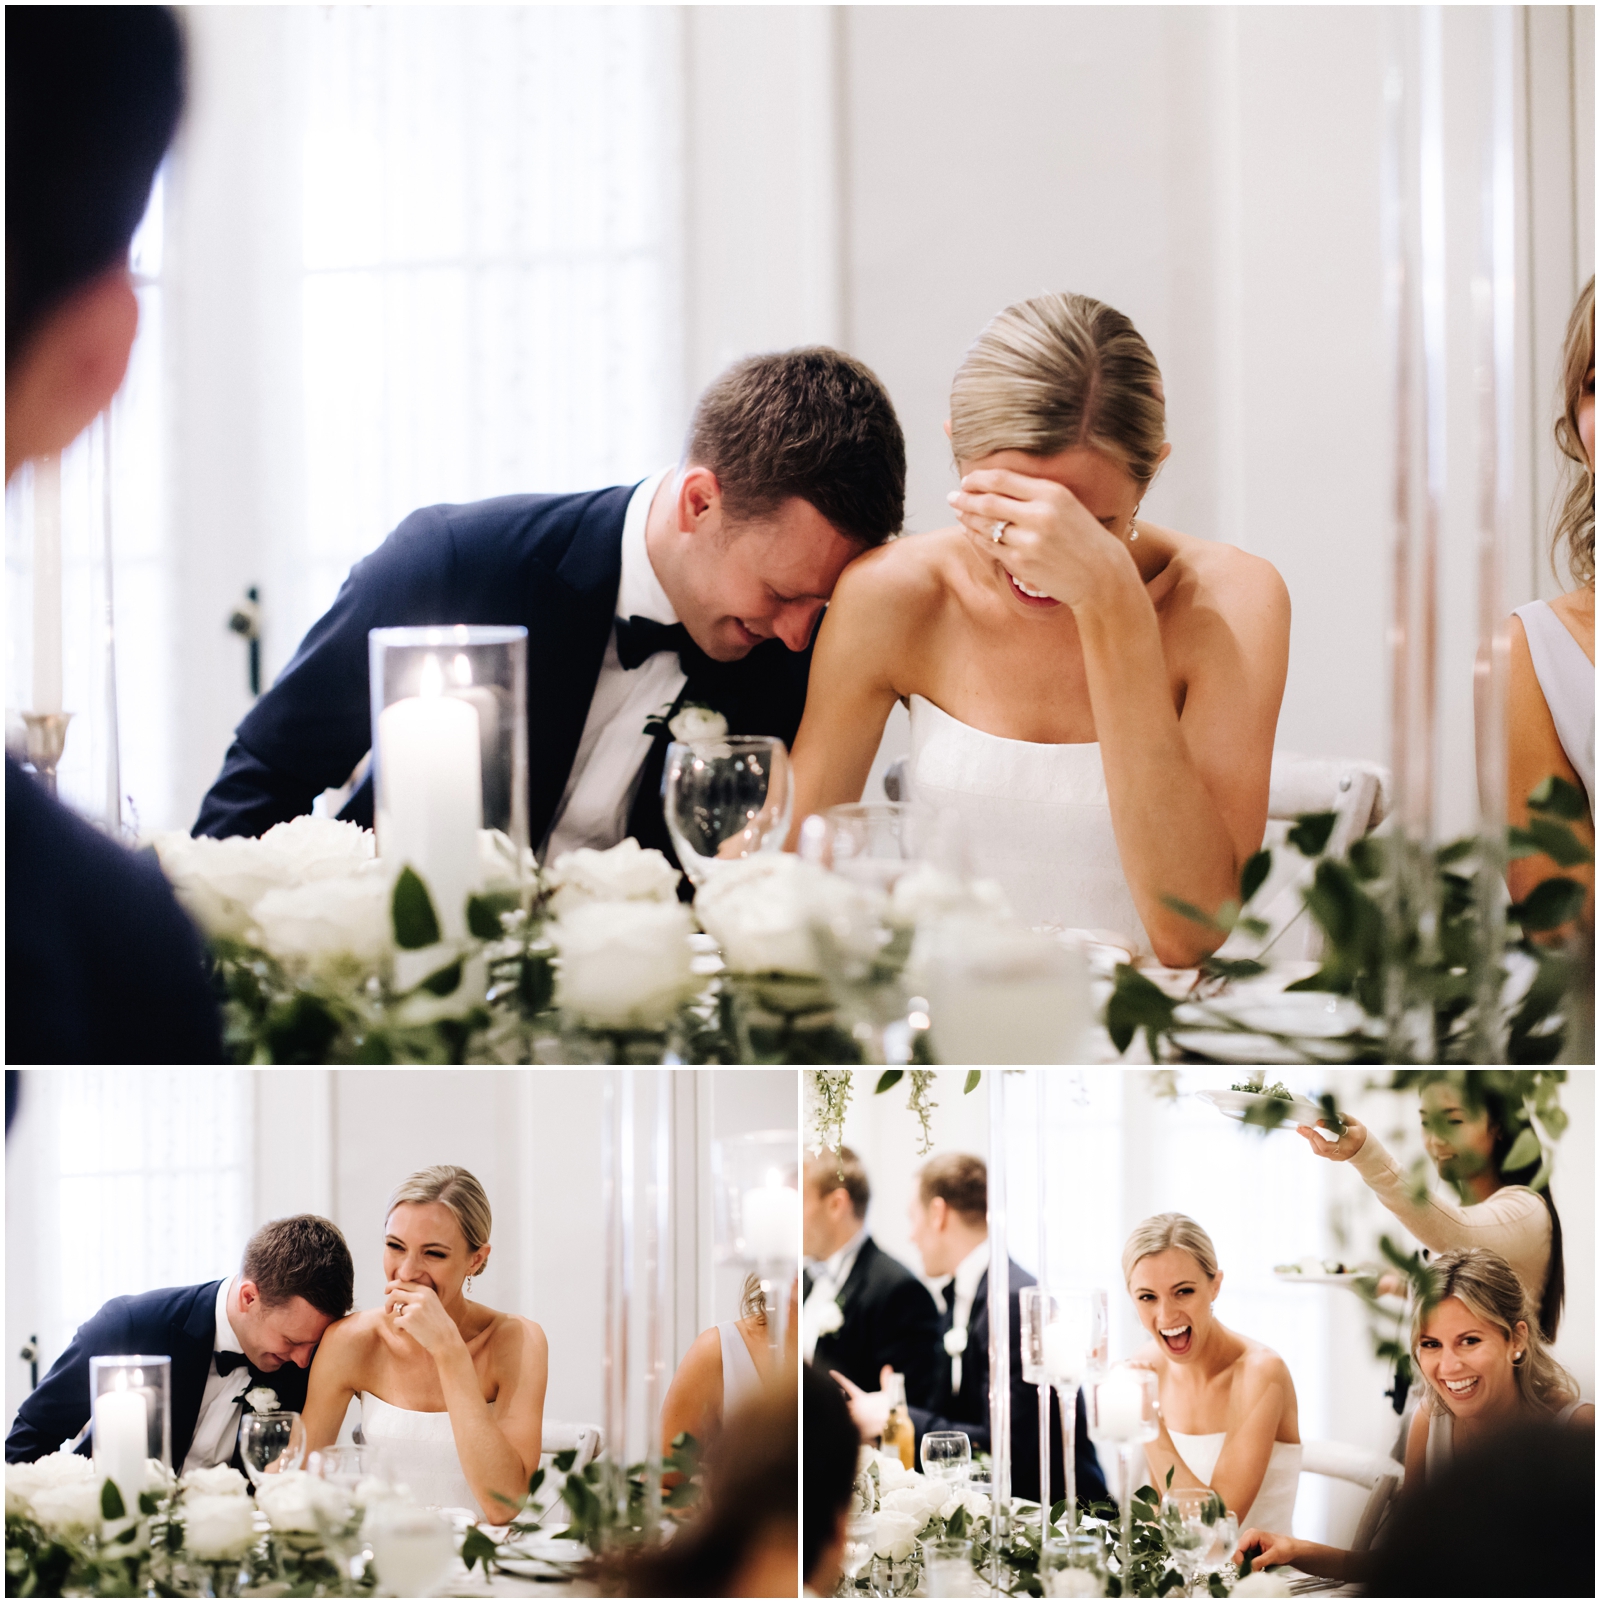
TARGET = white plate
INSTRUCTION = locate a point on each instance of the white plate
(1235, 1104)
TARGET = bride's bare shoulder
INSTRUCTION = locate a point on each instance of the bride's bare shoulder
(903, 580)
(1223, 576)
(354, 1330)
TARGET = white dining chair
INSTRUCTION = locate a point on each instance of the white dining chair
(1380, 1475)
(560, 1436)
(1353, 788)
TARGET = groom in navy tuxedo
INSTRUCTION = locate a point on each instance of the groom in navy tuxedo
(703, 585)
(226, 1337)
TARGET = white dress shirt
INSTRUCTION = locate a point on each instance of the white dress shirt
(594, 807)
(968, 1273)
(827, 1281)
(216, 1431)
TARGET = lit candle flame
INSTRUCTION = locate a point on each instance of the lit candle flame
(461, 669)
(432, 677)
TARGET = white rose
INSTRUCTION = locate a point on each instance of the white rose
(895, 1535)
(975, 1503)
(759, 911)
(286, 1500)
(955, 1342)
(55, 1469)
(328, 923)
(628, 872)
(221, 1480)
(698, 723)
(219, 881)
(218, 1527)
(497, 858)
(309, 849)
(69, 1508)
(919, 1498)
(892, 1473)
(930, 892)
(624, 964)
(827, 1317)
(1261, 1583)
(263, 1399)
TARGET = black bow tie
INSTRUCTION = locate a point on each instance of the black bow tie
(641, 638)
(228, 1362)
(949, 1295)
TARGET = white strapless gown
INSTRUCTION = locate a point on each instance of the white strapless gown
(416, 1450)
(1035, 817)
(1273, 1509)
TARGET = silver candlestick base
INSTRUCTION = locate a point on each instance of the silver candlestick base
(47, 738)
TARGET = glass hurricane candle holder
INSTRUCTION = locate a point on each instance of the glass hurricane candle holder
(132, 1402)
(450, 753)
(756, 1209)
(1125, 1412)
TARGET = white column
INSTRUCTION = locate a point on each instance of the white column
(999, 1309)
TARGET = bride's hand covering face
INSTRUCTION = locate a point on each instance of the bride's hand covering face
(1148, 660)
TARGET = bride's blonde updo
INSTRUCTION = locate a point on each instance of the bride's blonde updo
(1487, 1286)
(457, 1189)
(1055, 372)
(1164, 1232)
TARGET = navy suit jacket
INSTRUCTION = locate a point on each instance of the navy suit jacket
(180, 1321)
(968, 1409)
(102, 965)
(550, 562)
(890, 1317)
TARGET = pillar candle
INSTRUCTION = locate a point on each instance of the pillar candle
(772, 1223)
(1066, 1350)
(431, 768)
(1119, 1407)
(47, 584)
(122, 1441)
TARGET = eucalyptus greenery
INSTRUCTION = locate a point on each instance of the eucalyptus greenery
(1410, 935)
(829, 1101)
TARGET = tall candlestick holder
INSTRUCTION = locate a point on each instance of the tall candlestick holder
(47, 739)
(1125, 1413)
(1073, 1339)
(756, 1201)
(1036, 1307)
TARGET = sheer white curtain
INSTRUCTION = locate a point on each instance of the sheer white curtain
(402, 255)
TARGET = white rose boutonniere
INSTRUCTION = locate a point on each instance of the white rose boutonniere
(694, 722)
(828, 1317)
(263, 1399)
(955, 1342)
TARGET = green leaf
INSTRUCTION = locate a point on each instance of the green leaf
(1330, 1113)
(1555, 841)
(1170, 1469)
(1550, 904)
(445, 981)
(564, 1461)
(889, 1077)
(1233, 968)
(1137, 1003)
(1310, 832)
(1456, 851)
(1189, 911)
(1254, 873)
(970, 1084)
(111, 1505)
(149, 1502)
(477, 1546)
(415, 922)
(956, 1526)
(1525, 1150)
(483, 914)
(1559, 798)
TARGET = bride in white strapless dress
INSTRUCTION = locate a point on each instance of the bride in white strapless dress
(1095, 697)
(1036, 818)
(452, 1392)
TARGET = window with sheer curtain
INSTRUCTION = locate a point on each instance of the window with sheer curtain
(414, 254)
(149, 1176)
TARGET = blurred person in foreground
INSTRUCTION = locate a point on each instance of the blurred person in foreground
(864, 1310)
(102, 966)
(1485, 1373)
(950, 1229)
(1550, 693)
(742, 1538)
(725, 1369)
(832, 1453)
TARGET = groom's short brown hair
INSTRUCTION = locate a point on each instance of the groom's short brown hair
(302, 1256)
(812, 423)
(961, 1180)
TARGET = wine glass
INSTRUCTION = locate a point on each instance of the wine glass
(271, 1444)
(873, 843)
(412, 1550)
(725, 799)
(947, 1456)
(340, 1465)
(1192, 1519)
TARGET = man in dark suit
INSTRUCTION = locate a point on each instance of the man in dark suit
(701, 586)
(260, 1328)
(864, 1311)
(950, 1229)
(102, 966)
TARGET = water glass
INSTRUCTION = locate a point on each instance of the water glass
(1073, 1566)
(271, 1444)
(891, 1577)
(858, 1539)
(947, 1456)
(872, 843)
(947, 1568)
(341, 1465)
(412, 1550)
(725, 799)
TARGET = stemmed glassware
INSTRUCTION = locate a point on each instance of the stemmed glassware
(725, 799)
(947, 1456)
(271, 1444)
(412, 1550)
(1074, 1336)
(1036, 1306)
(1200, 1532)
(1125, 1412)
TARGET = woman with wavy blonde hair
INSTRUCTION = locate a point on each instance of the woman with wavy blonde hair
(1094, 694)
(1550, 691)
(1483, 1368)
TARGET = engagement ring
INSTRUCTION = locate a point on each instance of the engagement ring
(998, 532)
